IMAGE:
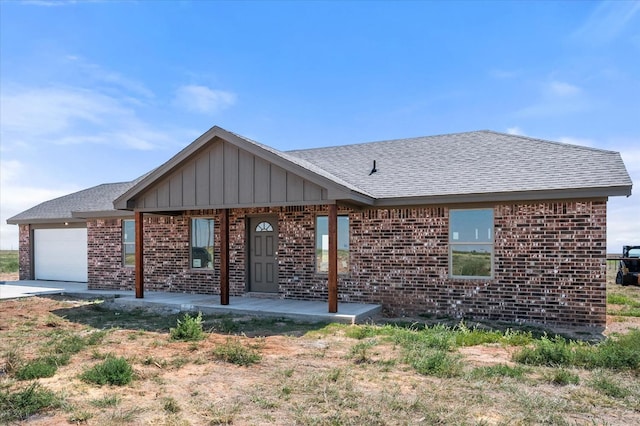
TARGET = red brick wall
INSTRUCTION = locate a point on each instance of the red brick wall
(549, 261)
(24, 253)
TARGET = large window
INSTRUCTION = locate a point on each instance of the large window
(129, 242)
(202, 243)
(471, 243)
(322, 244)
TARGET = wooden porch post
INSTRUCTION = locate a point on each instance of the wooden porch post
(139, 255)
(333, 258)
(224, 257)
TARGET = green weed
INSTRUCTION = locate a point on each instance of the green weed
(360, 351)
(234, 352)
(434, 362)
(12, 360)
(113, 371)
(188, 329)
(618, 353)
(36, 369)
(80, 416)
(563, 377)
(547, 351)
(106, 401)
(621, 299)
(170, 405)
(608, 386)
(499, 370)
(19, 405)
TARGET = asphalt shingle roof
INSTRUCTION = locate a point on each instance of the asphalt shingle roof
(95, 199)
(478, 162)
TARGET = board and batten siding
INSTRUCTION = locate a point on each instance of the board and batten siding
(224, 174)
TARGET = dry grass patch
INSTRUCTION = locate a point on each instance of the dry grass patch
(251, 371)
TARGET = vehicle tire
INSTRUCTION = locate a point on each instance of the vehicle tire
(619, 278)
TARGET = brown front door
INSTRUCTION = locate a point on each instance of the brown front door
(263, 251)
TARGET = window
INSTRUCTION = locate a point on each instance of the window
(129, 242)
(202, 243)
(264, 227)
(322, 244)
(471, 243)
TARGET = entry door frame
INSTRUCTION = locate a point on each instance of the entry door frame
(252, 222)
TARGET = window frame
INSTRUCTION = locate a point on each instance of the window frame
(192, 242)
(126, 243)
(315, 244)
(490, 243)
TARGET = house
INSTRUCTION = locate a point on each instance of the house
(480, 224)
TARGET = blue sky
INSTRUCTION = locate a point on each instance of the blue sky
(103, 91)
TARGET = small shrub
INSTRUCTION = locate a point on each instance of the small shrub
(545, 351)
(19, 405)
(41, 367)
(113, 371)
(36, 369)
(188, 329)
(435, 363)
(618, 353)
(563, 377)
(235, 352)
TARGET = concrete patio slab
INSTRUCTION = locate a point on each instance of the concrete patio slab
(207, 304)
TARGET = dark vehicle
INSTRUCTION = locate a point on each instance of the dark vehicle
(629, 266)
(200, 257)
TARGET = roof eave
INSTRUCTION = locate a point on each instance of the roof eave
(580, 193)
(101, 214)
(12, 221)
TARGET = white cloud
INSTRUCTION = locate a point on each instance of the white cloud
(202, 99)
(68, 115)
(98, 74)
(561, 88)
(515, 131)
(16, 197)
(557, 98)
(608, 21)
(48, 110)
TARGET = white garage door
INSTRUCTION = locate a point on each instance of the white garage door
(60, 254)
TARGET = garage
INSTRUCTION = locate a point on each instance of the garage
(60, 254)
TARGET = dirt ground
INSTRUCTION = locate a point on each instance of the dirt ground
(306, 376)
(8, 276)
(310, 379)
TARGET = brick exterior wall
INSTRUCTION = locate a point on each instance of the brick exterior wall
(24, 253)
(549, 260)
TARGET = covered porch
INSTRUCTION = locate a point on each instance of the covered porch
(223, 173)
(301, 310)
